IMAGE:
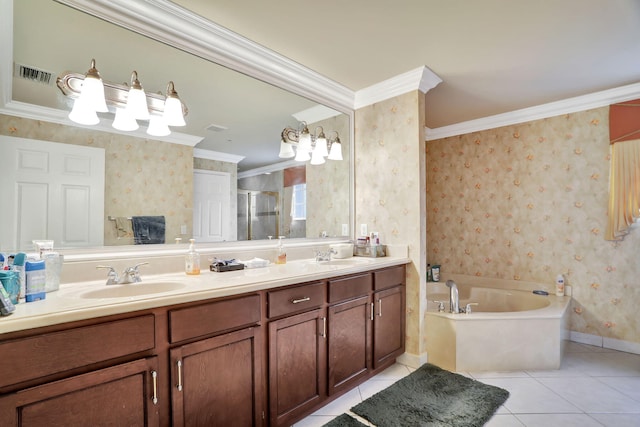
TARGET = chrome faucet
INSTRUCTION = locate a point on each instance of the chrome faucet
(129, 275)
(324, 255)
(454, 302)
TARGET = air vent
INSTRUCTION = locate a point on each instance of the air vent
(216, 128)
(33, 74)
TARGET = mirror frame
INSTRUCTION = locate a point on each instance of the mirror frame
(175, 26)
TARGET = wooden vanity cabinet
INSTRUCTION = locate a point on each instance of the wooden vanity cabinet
(266, 358)
(349, 332)
(217, 381)
(389, 315)
(103, 373)
(124, 394)
(297, 351)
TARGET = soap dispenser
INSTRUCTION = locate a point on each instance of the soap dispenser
(192, 259)
(281, 257)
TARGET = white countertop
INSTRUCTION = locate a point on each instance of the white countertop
(78, 301)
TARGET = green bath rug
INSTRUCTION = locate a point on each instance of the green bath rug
(431, 397)
(344, 420)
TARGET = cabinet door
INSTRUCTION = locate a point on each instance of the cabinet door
(218, 381)
(388, 325)
(297, 365)
(349, 343)
(123, 395)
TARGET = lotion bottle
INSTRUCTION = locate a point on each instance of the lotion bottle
(560, 285)
(192, 259)
(281, 257)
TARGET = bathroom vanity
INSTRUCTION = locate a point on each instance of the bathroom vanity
(267, 349)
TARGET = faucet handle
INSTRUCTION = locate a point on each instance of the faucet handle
(112, 274)
(440, 306)
(467, 309)
(133, 273)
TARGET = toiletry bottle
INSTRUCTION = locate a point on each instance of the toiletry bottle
(281, 257)
(560, 285)
(19, 261)
(192, 259)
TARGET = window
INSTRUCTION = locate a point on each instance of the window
(299, 202)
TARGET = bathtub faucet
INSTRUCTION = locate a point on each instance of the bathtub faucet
(454, 302)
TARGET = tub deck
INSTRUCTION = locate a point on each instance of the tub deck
(529, 339)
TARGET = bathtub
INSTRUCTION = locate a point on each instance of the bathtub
(509, 329)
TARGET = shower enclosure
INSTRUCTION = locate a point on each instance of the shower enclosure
(258, 214)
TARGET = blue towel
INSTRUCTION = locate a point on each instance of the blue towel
(148, 229)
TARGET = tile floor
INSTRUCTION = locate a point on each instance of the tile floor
(593, 387)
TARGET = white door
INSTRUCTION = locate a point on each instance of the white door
(212, 206)
(50, 191)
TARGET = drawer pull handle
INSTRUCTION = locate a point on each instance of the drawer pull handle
(154, 376)
(372, 310)
(380, 308)
(298, 301)
(324, 327)
(179, 375)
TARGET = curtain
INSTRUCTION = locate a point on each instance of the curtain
(624, 188)
(624, 176)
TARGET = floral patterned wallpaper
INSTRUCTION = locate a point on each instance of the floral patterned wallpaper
(142, 176)
(529, 201)
(389, 191)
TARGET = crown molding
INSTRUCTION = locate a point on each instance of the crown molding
(422, 79)
(178, 27)
(217, 155)
(566, 106)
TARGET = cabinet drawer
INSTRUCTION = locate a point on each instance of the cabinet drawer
(295, 299)
(46, 354)
(389, 277)
(349, 287)
(213, 317)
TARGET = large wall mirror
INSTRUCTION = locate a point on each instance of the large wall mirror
(233, 131)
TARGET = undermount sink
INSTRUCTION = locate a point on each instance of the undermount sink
(132, 290)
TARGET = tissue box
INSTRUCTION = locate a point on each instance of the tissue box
(342, 250)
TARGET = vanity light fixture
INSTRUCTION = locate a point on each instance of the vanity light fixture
(129, 103)
(315, 147)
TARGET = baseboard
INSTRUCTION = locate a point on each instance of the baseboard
(412, 360)
(611, 343)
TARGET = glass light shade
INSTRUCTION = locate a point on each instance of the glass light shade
(316, 157)
(321, 146)
(286, 150)
(92, 93)
(157, 127)
(137, 104)
(173, 114)
(82, 113)
(124, 121)
(336, 151)
(302, 155)
(304, 142)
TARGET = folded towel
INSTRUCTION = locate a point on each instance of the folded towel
(148, 229)
(123, 227)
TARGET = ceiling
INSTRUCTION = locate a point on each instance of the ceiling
(493, 56)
